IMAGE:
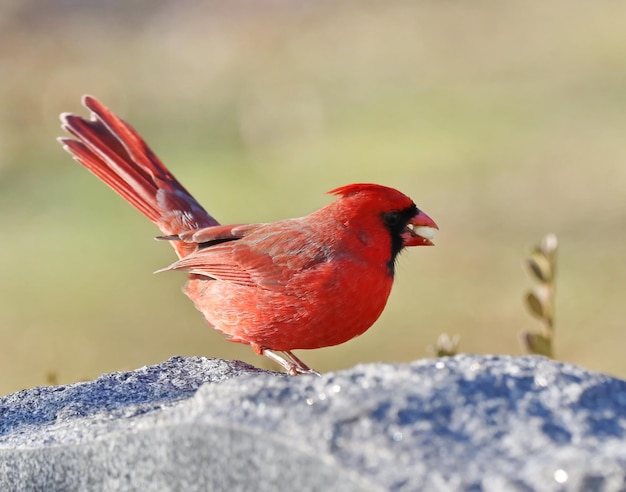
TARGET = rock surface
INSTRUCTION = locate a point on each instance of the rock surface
(464, 423)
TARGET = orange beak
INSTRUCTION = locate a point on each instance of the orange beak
(420, 230)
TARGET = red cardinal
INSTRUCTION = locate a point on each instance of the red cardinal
(303, 283)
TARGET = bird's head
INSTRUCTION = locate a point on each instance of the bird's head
(394, 211)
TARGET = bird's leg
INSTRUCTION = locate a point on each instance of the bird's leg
(289, 362)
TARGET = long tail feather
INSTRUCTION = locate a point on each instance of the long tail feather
(112, 150)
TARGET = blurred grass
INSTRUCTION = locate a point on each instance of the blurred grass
(503, 121)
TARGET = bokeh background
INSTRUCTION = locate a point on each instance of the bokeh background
(503, 120)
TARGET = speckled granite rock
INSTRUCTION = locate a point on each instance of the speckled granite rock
(462, 423)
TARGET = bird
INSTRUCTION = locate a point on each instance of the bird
(293, 284)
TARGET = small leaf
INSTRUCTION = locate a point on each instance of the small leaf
(446, 345)
(535, 306)
(539, 301)
(540, 266)
(538, 344)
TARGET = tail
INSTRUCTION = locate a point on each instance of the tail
(112, 150)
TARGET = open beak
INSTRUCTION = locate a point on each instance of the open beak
(419, 231)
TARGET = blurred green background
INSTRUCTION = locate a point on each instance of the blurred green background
(503, 120)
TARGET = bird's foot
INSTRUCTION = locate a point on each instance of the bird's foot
(289, 362)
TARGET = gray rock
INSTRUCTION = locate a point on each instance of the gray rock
(470, 423)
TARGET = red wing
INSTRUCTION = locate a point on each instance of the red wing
(214, 234)
(217, 264)
(268, 256)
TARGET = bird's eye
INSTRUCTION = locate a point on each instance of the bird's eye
(392, 219)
